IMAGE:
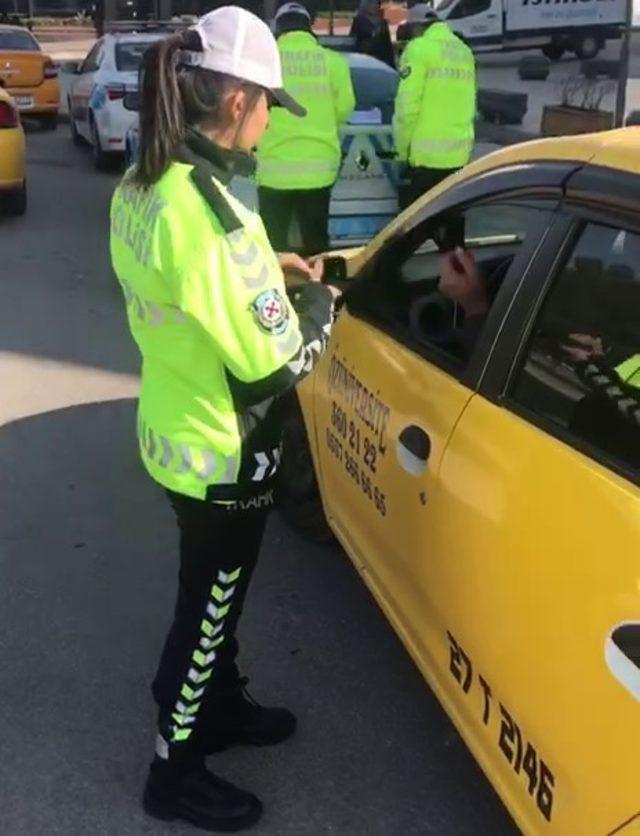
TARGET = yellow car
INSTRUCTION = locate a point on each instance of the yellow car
(483, 473)
(13, 188)
(29, 75)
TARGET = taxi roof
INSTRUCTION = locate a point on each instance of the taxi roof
(618, 149)
(615, 149)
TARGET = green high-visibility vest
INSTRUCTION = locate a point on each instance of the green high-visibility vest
(305, 153)
(629, 371)
(436, 102)
(219, 338)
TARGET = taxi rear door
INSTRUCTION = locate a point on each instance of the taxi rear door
(538, 564)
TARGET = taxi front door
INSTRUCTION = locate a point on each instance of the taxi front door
(383, 419)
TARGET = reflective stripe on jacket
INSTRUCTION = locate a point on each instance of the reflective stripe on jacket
(219, 337)
(629, 371)
(436, 103)
(305, 153)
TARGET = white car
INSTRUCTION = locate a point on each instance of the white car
(96, 98)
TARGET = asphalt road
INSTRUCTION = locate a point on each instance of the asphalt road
(87, 572)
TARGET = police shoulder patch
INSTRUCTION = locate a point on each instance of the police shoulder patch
(405, 71)
(271, 312)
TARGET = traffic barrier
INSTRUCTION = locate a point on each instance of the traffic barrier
(502, 107)
(534, 68)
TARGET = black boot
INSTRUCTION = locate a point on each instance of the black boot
(198, 797)
(239, 720)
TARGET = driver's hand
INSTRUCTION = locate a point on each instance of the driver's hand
(584, 347)
(462, 282)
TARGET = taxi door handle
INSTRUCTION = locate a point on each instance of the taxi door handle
(413, 450)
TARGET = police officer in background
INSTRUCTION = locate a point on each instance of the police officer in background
(299, 159)
(221, 341)
(435, 109)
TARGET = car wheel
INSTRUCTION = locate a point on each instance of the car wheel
(587, 47)
(102, 161)
(298, 492)
(49, 123)
(553, 52)
(76, 138)
(15, 201)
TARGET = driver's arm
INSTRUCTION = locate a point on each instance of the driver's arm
(462, 282)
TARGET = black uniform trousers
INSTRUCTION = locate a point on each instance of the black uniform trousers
(420, 180)
(278, 208)
(219, 548)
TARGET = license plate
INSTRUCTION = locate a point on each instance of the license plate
(23, 102)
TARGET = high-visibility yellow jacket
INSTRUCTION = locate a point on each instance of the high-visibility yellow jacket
(629, 371)
(305, 153)
(436, 103)
(219, 337)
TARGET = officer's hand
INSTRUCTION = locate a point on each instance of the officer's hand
(463, 283)
(297, 270)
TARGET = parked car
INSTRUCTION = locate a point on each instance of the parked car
(97, 113)
(488, 491)
(13, 185)
(365, 197)
(29, 76)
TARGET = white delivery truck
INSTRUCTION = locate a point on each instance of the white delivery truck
(555, 26)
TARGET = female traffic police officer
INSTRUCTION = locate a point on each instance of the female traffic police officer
(220, 342)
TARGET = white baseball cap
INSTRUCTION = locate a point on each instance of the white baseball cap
(238, 43)
(292, 9)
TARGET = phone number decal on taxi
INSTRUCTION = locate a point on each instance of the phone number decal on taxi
(356, 436)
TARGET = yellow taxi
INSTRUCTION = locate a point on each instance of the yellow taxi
(483, 473)
(13, 187)
(29, 75)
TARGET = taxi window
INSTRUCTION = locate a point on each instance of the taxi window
(16, 41)
(581, 372)
(403, 292)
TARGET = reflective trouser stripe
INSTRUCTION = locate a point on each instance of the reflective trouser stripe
(202, 665)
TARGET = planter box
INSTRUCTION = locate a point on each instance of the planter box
(560, 120)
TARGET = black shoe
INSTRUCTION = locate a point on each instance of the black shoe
(240, 720)
(200, 798)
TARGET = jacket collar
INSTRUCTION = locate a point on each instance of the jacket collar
(211, 163)
(218, 162)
